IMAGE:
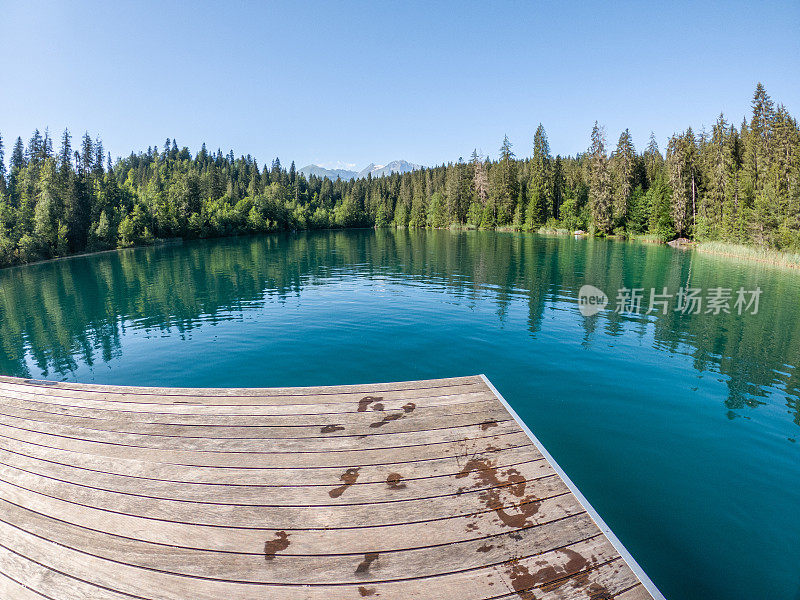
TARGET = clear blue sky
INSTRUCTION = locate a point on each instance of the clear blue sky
(328, 82)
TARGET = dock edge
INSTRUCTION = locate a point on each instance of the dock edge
(615, 541)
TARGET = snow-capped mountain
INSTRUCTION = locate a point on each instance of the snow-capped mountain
(396, 166)
(309, 170)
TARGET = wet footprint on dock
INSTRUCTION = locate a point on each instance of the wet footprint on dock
(367, 400)
(331, 428)
(272, 547)
(393, 481)
(408, 408)
(369, 558)
(349, 477)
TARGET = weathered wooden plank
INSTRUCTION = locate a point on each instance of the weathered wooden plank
(464, 447)
(341, 393)
(51, 582)
(309, 415)
(407, 444)
(376, 423)
(11, 590)
(255, 406)
(277, 476)
(514, 503)
(394, 486)
(308, 542)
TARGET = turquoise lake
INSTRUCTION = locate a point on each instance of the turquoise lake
(681, 429)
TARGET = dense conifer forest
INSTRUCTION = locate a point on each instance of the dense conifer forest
(733, 184)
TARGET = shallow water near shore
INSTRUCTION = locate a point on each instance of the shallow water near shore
(681, 429)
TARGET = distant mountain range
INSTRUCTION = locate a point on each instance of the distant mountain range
(318, 171)
(396, 166)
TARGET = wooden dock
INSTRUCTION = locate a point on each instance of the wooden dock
(423, 490)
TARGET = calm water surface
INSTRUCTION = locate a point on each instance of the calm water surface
(681, 430)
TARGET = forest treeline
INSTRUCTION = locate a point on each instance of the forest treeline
(734, 184)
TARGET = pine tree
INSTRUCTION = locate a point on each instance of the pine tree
(35, 149)
(734, 210)
(718, 163)
(783, 177)
(757, 139)
(456, 192)
(600, 198)
(17, 156)
(558, 186)
(480, 179)
(99, 156)
(540, 189)
(761, 129)
(276, 174)
(653, 161)
(402, 209)
(658, 201)
(77, 207)
(48, 212)
(622, 166)
(65, 156)
(506, 185)
(87, 155)
(381, 216)
(47, 145)
(16, 164)
(418, 217)
(682, 166)
(202, 157)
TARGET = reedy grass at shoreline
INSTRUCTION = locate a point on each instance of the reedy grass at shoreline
(759, 254)
(753, 253)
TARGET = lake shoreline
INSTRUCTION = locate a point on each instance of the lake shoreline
(164, 242)
(764, 256)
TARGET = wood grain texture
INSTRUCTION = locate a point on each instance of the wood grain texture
(421, 490)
